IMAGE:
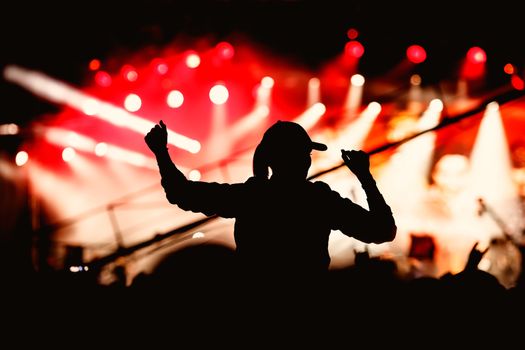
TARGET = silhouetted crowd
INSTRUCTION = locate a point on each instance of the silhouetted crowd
(201, 291)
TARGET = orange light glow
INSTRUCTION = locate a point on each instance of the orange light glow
(94, 64)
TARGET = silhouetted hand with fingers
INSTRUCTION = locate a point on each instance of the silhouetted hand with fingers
(357, 161)
(157, 137)
(475, 257)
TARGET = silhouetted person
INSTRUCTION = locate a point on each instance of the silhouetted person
(283, 222)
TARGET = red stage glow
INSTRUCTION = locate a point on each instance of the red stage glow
(94, 64)
(509, 69)
(193, 60)
(117, 162)
(103, 79)
(354, 49)
(476, 55)
(129, 73)
(352, 33)
(517, 82)
(225, 50)
(416, 54)
(474, 66)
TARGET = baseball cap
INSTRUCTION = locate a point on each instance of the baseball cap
(286, 134)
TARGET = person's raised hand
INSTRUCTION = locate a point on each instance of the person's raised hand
(475, 257)
(157, 137)
(357, 161)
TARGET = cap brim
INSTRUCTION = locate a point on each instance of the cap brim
(319, 146)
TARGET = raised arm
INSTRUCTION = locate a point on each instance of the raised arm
(203, 197)
(172, 179)
(376, 225)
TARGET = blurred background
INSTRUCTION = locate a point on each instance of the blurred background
(433, 91)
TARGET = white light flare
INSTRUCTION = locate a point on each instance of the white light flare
(264, 92)
(354, 95)
(357, 132)
(219, 94)
(249, 122)
(267, 82)
(197, 235)
(68, 154)
(431, 116)
(491, 171)
(175, 99)
(314, 91)
(311, 116)
(132, 102)
(72, 140)
(404, 178)
(101, 149)
(9, 129)
(194, 175)
(357, 80)
(59, 92)
(193, 60)
(21, 158)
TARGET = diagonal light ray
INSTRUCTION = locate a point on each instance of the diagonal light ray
(59, 92)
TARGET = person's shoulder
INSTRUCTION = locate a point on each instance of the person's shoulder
(320, 186)
(255, 182)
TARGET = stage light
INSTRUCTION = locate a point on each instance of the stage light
(175, 99)
(509, 69)
(354, 96)
(474, 64)
(314, 83)
(162, 68)
(352, 33)
(101, 149)
(374, 108)
(68, 154)
(415, 80)
(476, 55)
(82, 143)
(197, 235)
(90, 107)
(225, 50)
(67, 138)
(517, 82)
(357, 80)
(219, 94)
(9, 129)
(159, 65)
(416, 54)
(59, 92)
(132, 102)
(21, 158)
(194, 175)
(129, 73)
(311, 116)
(436, 105)
(267, 82)
(491, 173)
(193, 60)
(249, 122)
(314, 92)
(354, 49)
(354, 134)
(263, 91)
(103, 79)
(94, 64)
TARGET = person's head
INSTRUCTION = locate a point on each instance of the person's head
(285, 148)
